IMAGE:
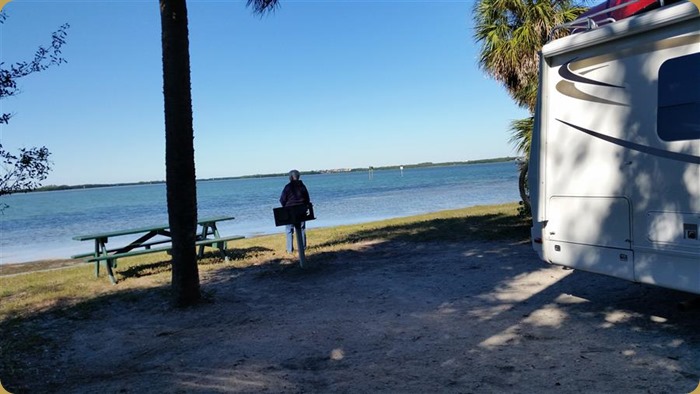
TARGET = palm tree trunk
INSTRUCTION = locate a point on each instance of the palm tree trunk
(522, 185)
(179, 151)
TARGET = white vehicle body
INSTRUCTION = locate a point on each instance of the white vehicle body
(614, 173)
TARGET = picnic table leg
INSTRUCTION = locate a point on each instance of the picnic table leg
(220, 245)
(110, 263)
(97, 253)
(100, 249)
(215, 231)
(210, 228)
(222, 249)
(203, 235)
(300, 246)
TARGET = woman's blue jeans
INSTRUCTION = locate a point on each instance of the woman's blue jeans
(290, 236)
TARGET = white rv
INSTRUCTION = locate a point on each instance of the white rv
(614, 173)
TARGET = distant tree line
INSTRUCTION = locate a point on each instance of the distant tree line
(361, 169)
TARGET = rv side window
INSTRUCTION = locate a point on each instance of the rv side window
(678, 116)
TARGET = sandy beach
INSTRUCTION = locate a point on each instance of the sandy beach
(384, 316)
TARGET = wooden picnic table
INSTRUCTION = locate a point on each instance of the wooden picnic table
(208, 235)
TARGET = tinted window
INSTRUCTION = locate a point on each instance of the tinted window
(678, 116)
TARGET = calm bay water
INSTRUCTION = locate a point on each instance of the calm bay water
(41, 225)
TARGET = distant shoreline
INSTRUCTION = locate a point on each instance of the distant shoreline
(330, 171)
(56, 217)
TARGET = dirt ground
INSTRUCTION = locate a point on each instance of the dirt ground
(472, 317)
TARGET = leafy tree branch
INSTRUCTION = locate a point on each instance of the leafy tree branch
(25, 170)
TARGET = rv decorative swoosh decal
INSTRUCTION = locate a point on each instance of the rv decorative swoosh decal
(641, 148)
(569, 89)
(566, 73)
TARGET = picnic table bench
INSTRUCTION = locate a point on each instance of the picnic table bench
(158, 236)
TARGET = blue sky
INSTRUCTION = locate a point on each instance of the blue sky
(315, 85)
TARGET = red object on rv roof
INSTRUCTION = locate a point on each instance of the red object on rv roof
(632, 7)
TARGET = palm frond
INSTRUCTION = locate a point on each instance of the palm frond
(511, 34)
(262, 6)
(521, 134)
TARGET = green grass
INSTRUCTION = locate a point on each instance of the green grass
(37, 292)
(74, 292)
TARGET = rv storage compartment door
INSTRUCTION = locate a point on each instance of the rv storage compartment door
(600, 221)
(590, 233)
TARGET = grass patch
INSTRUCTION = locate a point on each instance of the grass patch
(489, 223)
(28, 300)
(41, 291)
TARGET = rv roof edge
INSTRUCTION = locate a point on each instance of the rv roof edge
(633, 25)
(589, 21)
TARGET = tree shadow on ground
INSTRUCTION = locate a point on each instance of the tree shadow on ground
(622, 325)
(242, 253)
(209, 258)
(489, 227)
(496, 321)
(29, 351)
(404, 313)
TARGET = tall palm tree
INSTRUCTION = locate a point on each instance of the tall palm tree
(511, 34)
(179, 146)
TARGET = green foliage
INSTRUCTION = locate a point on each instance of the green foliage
(25, 170)
(262, 6)
(511, 34)
(521, 134)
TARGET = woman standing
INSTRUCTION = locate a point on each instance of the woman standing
(294, 193)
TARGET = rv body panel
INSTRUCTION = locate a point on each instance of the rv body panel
(615, 158)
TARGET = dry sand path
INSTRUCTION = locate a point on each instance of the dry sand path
(472, 317)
